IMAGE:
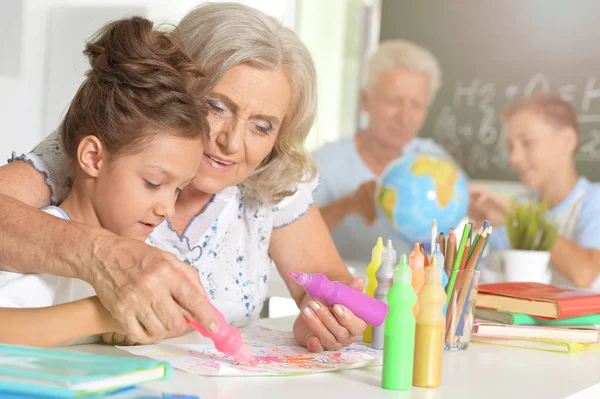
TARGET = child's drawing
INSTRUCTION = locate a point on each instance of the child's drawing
(276, 352)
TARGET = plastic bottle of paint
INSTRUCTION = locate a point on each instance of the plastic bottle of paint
(227, 340)
(416, 260)
(385, 279)
(371, 281)
(438, 259)
(317, 285)
(400, 324)
(429, 337)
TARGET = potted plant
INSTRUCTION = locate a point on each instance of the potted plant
(531, 235)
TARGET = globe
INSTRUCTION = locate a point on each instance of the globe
(417, 188)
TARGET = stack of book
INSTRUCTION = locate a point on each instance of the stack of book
(537, 316)
(27, 372)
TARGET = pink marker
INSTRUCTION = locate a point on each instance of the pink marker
(317, 285)
(227, 340)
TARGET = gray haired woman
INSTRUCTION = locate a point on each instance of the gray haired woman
(249, 206)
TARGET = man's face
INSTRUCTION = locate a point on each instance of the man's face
(397, 105)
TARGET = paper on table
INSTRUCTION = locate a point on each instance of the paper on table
(277, 353)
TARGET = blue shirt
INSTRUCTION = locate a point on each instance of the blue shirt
(578, 217)
(341, 172)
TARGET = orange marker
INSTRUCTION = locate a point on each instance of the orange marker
(416, 261)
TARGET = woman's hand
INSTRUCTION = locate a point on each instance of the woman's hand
(144, 290)
(484, 205)
(319, 327)
(118, 337)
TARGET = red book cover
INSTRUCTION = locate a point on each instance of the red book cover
(571, 302)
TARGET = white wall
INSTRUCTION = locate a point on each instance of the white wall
(52, 37)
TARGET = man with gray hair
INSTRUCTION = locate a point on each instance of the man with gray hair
(400, 83)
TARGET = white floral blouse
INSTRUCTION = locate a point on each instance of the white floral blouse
(227, 243)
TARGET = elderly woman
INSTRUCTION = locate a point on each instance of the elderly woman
(542, 134)
(401, 81)
(249, 206)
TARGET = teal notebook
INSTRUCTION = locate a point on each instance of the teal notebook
(526, 320)
(68, 374)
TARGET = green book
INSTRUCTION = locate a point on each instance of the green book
(60, 373)
(526, 320)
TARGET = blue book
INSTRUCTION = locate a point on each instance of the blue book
(66, 374)
(126, 393)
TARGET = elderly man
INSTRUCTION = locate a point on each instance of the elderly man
(400, 83)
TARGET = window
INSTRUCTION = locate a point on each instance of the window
(339, 34)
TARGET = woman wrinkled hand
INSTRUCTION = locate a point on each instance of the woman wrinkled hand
(119, 339)
(319, 327)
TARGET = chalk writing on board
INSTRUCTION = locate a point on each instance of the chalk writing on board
(471, 129)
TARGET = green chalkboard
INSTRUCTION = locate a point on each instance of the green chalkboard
(494, 52)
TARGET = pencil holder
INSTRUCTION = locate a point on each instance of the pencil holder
(459, 315)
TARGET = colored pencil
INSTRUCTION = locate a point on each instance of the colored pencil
(477, 235)
(456, 266)
(463, 261)
(490, 228)
(477, 250)
(467, 282)
(450, 252)
(442, 241)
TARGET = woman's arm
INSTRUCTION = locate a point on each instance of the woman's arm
(578, 264)
(47, 326)
(19, 180)
(138, 285)
(305, 245)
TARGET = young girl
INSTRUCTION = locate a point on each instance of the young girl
(134, 131)
(542, 138)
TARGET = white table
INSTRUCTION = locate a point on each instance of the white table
(483, 371)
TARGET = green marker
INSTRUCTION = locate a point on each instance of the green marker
(399, 335)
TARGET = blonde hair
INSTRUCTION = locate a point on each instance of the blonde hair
(220, 36)
(550, 107)
(403, 54)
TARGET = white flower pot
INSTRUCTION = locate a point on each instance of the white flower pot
(531, 266)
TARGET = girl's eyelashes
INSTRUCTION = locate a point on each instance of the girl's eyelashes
(151, 186)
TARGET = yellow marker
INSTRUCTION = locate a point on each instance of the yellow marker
(429, 337)
(372, 281)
